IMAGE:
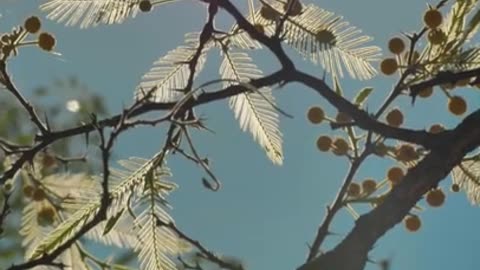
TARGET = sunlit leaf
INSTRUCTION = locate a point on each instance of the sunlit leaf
(89, 13)
(169, 75)
(326, 39)
(467, 176)
(362, 96)
(254, 110)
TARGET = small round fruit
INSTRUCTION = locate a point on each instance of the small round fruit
(425, 93)
(326, 37)
(436, 128)
(396, 45)
(388, 66)
(145, 5)
(315, 115)
(343, 118)
(38, 195)
(455, 188)
(296, 8)
(369, 186)
(353, 190)
(457, 105)
(32, 24)
(395, 118)
(406, 153)
(259, 28)
(340, 147)
(46, 41)
(324, 143)
(435, 197)
(28, 191)
(268, 13)
(395, 175)
(436, 36)
(432, 18)
(45, 216)
(412, 223)
(380, 149)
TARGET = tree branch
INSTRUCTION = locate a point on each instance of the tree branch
(420, 179)
(444, 77)
(323, 230)
(28, 107)
(366, 121)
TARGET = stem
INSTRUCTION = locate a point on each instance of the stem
(337, 204)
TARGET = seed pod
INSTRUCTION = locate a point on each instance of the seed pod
(354, 190)
(395, 118)
(432, 18)
(145, 5)
(396, 45)
(315, 115)
(369, 186)
(457, 105)
(435, 197)
(340, 147)
(32, 24)
(388, 66)
(324, 143)
(395, 175)
(46, 41)
(412, 223)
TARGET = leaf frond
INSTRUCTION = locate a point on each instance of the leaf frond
(120, 236)
(123, 183)
(467, 176)
(64, 231)
(169, 75)
(253, 110)
(156, 243)
(452, 53)
(31, 231)
(326, 39)
(90, 13)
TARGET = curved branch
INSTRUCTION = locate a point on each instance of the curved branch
(44, 140)
(366, 121)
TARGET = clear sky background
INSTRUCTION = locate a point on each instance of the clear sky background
(264, 214)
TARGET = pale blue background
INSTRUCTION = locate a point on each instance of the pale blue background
(264, 214)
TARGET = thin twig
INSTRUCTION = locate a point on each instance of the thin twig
(337, 204)
(28, 107)
(208, 254)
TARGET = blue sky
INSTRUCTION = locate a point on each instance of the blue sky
(264, 214)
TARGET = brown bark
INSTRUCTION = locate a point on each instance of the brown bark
(352, 252)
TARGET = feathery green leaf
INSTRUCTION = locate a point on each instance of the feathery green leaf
(169, 75)
(90, 13)
(326, 39)
(467, 176)
(254, 110)
(124, 184)
(155, 242)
